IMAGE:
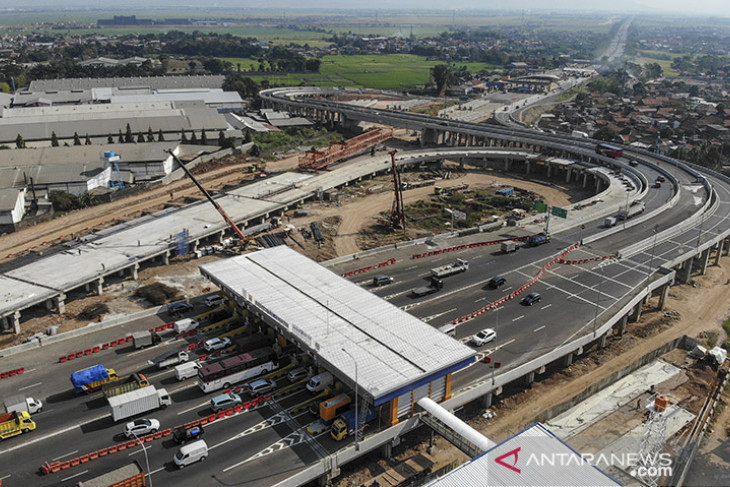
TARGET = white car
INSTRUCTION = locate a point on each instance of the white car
(141, 427)
(485, 336)
(217, 344)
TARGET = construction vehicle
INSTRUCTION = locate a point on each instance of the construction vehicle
(451, 190)
(509, 191)
(92, 378)
(435, 285)
(535, 240)
(633, 210)
(138, 402)
(228, 220)
(130, 475)
(448, 270)
(21, 403)
(344, 425)
(128, 383)
(143, 339)
(173, 357)
(329, 410)
(404, 185)
(15, 423)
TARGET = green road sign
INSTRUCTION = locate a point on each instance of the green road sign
(539, 206)
(561, 212)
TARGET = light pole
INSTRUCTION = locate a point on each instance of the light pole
(357, 417)
(146, 458)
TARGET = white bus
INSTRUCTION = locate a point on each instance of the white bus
(223, 374)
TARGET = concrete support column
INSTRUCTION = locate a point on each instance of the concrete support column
(221, 234)
(527, 167)
(636, 313)
(704, 258)
(549, 169)
(568, 175)
(134, 271)
(15, 322)
(663, 296)
(506, 165)
(568, 360)
(622, 325)
(194, 246)
(487, 400)
(430, 442)
(529, 378)
(585, 179)
(602, 341)
(166, 258)
(720, 245)
(386, 451)
(598, 185)
(61, 303)
(49, 304)
(100, 286)
(685, 271)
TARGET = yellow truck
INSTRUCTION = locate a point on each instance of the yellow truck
(15, 423)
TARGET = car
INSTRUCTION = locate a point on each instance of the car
(225, 401)
(181, 434)
(496, 281)
(141, 427)
(214, 300)
(633, 163)
(259, 387)
(179, 308)
(483, 337)
(657, 184)
(661, 178)
(382, 280)
(295, 375)
(531, 299)
(217, 344)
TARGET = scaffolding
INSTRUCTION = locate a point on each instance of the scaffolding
(319, 159)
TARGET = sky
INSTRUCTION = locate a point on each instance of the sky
(694, 7)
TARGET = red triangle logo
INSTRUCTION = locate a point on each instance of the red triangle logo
(512, 453)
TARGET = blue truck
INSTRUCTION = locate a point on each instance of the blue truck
(509, 191)
(93, 378)
(535, 240)
(345, 424)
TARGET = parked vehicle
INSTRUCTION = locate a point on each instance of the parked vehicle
(633, 210)
(138, 402)
(483, 337)
(509, 191)
(496, 281)
(531, 299)
(449, 330)
(610, 222)
(170, 358)
(320, 382)
(182, 434)
(447, 270)
(179, 308)
(187, 370)
(382, 280)
(130, 475)
(535, 240)
(214, 300)
(217, 344)
(15, 423)
(19, 403)
(509, 246)
(186, 324)
(344, 425)
(143, 339)
(196, 451)
(92, 378)
(127, 383)
(295, 375)
(225, 401)
(434, 286)
(141, 427)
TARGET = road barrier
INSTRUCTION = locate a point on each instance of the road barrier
(12, 373)
(466, 246)
(369, 268)
(113, 343)
(585, 261)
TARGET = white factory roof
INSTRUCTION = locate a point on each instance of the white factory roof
(533, 457)
(325, 313)
(155, 82)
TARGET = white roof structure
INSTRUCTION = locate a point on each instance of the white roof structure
(326, 313)
(534, 456)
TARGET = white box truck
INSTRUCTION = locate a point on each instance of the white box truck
(138, 402)
(19, 403)
(187, 324)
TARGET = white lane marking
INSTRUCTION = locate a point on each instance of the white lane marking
(75, 475)
(32, 385)
(498, 308)
(6, 477)
(64, 456)
(518, 318)
(538, 329)
(411, 267)
(158, 470)
(546, 306)
(481, 299)
(160, 374)
(429, 318)
(503, 345)
(194, 408)
(506, 288)
(29, 370)
(50, 435)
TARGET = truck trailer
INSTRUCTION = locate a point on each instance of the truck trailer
(170, 358)
(21, 403)
(92, 378)
(535, 240)
(634, 209)
(447, 270)
(434, 286)
(15, 423)
(128, 383)
(138, 402)
(143, 339)
(130, 475)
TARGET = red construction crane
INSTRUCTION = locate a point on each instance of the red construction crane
(397, 218)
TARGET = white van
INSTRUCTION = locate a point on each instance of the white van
(186, 324)
(449, 330)
(214, 300)
(191, 453)
(320, 382)
(187, 370)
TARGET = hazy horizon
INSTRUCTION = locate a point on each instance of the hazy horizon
(661, 7)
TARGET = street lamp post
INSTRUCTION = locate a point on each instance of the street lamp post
(146, 458)
(357, 416)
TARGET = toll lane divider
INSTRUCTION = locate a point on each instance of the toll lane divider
(55, 467)
(466, 246)
(585, 261)
(12, 373)
(517, 292)
(369, 268)
(113, 343)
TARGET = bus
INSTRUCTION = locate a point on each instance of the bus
(222, 374)
(609, 150)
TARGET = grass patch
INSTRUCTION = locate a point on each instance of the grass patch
(711, 339)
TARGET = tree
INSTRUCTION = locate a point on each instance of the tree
(183, 137)
(20, 142)
(247, 136)
(54, 139)
(160, 136)
(442, 76)
(150, 136)
(140, 137)
(255, 151)
(193, 138)
(128, 137)
(694, 91)
(110, 139)
(77, 139)
(87, 141)
(221, 138)
(203, 138)
(605, 133)
(121, 137)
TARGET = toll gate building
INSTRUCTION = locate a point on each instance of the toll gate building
(395, 358)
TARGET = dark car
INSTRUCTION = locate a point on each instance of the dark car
(531, 299)
(661, 178)
(182, 434)
(496, 281)
(178, 308)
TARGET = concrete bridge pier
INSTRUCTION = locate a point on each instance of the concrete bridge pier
(704, 258)
(165, 258)
(636, 312)
(57, 302)
(529, 378)
(487, 400)
(134, 271)
(685, 271)
(11, 321)
(719, 249)
(602, 341)
(622, 325)
(568, 174)
(568, 360)
(664, 293)
(429, 137)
